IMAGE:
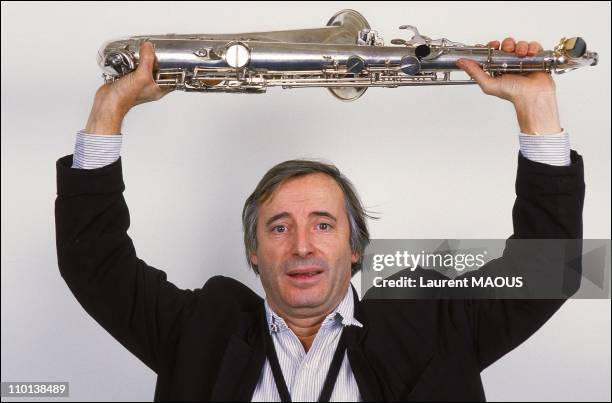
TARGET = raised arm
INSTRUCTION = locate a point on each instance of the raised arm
(548, 205)
(131, 300)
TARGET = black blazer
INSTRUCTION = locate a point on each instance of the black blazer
(206, 344)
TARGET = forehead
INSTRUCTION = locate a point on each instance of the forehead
(312, 191)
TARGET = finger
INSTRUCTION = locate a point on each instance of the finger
(473, 69)
(521, 48)
(534, 48)
(493, 44)
(147, 57)
(508, 45)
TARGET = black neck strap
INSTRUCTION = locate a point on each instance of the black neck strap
(279, 379)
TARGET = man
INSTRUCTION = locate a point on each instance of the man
(305, 233)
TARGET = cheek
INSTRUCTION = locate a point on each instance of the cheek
(342, 245)
(270, 256)
(338, 252)
(271, 246)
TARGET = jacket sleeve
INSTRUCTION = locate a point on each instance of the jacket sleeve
(548, 205)
(131, 300)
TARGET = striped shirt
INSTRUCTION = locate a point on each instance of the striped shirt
(551, 149)
(305, 372)
(96, 150)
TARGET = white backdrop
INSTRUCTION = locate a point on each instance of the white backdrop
(436, 162)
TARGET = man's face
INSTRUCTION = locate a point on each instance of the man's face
(303, 250)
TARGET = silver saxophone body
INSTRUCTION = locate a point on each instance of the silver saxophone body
(346, 57)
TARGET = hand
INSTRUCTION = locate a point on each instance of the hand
(511, 87)
(114, 100)
(533, 94)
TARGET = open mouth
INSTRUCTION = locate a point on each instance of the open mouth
(304, 275)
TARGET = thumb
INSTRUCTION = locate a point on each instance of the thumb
(473, 69)
(147, 58)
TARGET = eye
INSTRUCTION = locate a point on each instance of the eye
(279, 229)
(324, 226)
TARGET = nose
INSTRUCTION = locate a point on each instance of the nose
(302, 243)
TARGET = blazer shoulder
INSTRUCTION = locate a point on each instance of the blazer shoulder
(226, 290)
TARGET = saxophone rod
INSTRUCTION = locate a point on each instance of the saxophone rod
(346, 57)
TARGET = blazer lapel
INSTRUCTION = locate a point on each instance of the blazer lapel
(243, 359)
(370, 387)
(245, 356)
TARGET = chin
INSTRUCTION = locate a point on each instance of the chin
(304, 297)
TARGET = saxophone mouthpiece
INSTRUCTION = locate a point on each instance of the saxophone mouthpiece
(572, 53)
(575, 47)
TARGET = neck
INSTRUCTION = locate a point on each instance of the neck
(304, 325)
(305, 328)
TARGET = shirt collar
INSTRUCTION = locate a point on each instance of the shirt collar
(343, 314)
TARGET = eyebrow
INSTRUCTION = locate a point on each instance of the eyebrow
(285, 214)
(277, 217)
(323, 214)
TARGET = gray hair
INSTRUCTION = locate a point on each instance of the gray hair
(357, 214)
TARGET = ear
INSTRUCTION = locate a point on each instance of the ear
(253, 257)
(355, 257)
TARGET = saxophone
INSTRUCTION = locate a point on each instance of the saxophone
(346, 56)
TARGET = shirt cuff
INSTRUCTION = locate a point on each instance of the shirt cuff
(93, 151)
(551, 149)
